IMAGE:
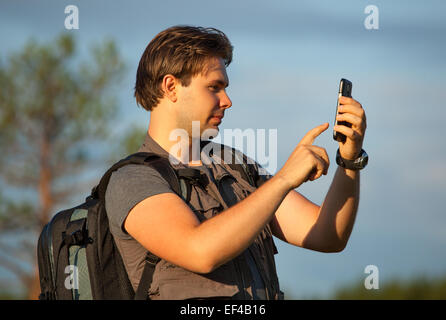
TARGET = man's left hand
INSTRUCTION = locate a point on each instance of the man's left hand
(352, 112)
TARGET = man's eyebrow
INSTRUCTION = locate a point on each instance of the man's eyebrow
(220, 82)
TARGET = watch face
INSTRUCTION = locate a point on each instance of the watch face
(356, 164)
(364, 158)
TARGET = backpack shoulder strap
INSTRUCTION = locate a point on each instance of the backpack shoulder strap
(163, 166)
(153, 160)
(239, 162)
(146, 278)
(250, 169)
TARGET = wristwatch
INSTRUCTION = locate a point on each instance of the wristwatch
(357, 164)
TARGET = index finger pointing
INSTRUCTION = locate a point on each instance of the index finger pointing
(313, 134)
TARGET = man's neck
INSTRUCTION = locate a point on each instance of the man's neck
(161, 135)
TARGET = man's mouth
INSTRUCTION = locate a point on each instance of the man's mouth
(217, 120)
(219, 117)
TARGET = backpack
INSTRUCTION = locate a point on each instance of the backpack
(77, 256)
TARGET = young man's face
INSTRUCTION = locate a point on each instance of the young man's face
(205, 99)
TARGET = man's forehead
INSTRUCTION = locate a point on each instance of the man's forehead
(214, 65)
(215, 68)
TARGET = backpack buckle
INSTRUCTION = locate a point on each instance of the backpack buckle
(195, 176)
(201, 180)
(78, 237)
(152, 259)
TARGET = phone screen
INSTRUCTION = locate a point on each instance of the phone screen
(345, 89)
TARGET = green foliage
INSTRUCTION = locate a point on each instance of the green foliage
(133, 139)
(53, 108)
(24, 217)
(418, 288)
(129, 143)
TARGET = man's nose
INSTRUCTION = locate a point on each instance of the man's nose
(225, 102)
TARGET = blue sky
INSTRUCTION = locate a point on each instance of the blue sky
(288, 59)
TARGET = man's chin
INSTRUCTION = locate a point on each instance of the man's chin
(210, 133)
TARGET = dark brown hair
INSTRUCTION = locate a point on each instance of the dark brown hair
(181, 51)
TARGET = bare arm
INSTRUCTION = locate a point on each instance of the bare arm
(166, 226)
(327, 228)
(338, 211)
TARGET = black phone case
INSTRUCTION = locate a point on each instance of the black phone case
(345, 89)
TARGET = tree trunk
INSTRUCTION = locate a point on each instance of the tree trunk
(46, 203)
(34, 285)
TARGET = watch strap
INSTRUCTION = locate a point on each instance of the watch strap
(357, 164)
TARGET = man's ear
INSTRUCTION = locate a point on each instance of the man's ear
(170, 86)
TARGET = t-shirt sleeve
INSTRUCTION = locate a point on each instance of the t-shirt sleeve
(127, 187)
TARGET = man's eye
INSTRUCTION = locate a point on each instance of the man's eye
(215, 88)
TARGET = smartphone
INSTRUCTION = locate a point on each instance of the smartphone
(345, 89)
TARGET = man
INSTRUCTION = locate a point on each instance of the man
(219, 244)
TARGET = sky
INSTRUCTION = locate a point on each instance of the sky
(288, 59)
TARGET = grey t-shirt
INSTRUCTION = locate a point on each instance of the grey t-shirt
(129, 186)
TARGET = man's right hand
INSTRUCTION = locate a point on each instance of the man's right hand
(307, 161)
(178, 236)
